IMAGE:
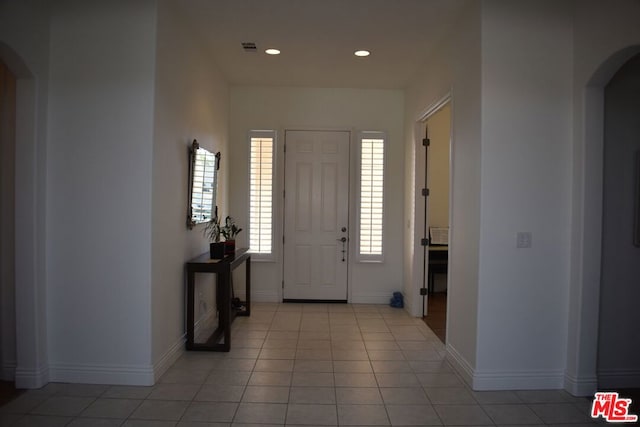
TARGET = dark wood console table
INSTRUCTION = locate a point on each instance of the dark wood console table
(222, 268)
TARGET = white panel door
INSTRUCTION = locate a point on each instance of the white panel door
(316, 215)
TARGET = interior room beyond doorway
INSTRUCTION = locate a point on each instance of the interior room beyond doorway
(438, 130)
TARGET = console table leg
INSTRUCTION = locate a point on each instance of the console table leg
(248, 286)
(225, 312)
(190, 309)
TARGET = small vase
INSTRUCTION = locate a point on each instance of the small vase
(229, 247)
(217, 250)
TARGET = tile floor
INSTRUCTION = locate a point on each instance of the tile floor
(305, 365)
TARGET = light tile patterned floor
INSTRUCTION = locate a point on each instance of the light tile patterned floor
(303, 365)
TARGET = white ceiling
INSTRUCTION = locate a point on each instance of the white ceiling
(318, 37)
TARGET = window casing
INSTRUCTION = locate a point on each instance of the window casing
(262, 146)
(371, 175)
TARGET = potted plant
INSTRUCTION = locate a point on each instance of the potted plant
(213, 230)
(229, 230)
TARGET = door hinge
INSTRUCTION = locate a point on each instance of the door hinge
(424, 242)
(283, 284)
(426, 142)
(423, 291)
(284, 194)
(425, 192)
(283, 239)
(285, 148)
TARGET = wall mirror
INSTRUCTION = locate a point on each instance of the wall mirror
(203, 184)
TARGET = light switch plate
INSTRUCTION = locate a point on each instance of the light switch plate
(523, 239)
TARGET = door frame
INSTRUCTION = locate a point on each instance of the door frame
(419, 255)
(281, 173)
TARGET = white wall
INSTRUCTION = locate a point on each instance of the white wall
(525, 186)
(99, 177)
(454, 68)
(618, 339)
(316, 109)
(598, 53)
(191, 102)
(24, 47)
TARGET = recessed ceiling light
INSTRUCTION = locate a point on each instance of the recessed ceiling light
(272, 52)
(362, 53)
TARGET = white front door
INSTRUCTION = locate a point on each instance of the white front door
(316, 217)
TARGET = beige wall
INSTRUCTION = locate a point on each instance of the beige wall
(99, 189)
(438, 167)
(191, 102)
(525, 186)
(317, 109)
(453, 69)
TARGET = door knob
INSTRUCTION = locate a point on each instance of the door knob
(344, 239)
(344, 229)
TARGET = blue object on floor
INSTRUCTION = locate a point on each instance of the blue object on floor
(397, 300)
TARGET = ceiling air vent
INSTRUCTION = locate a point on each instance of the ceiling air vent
(249, 47)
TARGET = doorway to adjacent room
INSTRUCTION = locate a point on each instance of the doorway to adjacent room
(437, 217)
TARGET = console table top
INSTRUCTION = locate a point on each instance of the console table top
(206, 259)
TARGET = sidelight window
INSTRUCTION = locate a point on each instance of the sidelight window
(261, 188)
(371, 196)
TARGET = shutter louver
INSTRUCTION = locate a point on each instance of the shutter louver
(261, 196)
(371, 196)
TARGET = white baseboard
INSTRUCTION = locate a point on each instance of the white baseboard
(123, 374)
(102, 374)
(169, 358)
(460, 364)
(504, 380)
(408, 304)
(583, 386)
(619, 378)
(265, 296)
(31, 378)
(8, 370)
(371, 298)
(518, 380)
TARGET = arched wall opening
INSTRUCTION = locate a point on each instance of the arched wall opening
(581, 374)
(30, 367)
(618, 360)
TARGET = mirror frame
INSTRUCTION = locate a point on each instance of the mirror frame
(194, 149)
